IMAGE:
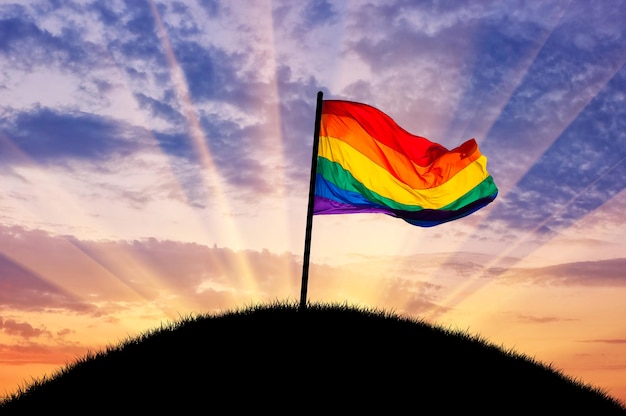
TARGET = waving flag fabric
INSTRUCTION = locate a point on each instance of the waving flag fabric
(367, 163)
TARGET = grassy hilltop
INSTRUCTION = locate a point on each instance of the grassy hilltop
(329, 359)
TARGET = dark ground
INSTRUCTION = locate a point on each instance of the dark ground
(330, 359)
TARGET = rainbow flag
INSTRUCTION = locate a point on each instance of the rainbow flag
(367, 163)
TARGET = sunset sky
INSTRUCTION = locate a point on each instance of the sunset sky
(155, 161)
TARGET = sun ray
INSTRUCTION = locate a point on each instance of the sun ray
(275, 157)
(211, 177)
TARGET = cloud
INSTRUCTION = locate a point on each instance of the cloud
(607, 341)
(448, 268)
(21, 329)
(212, 73)
(566, 93)
(602, 273)
(151, 55)
(582, 169)
(49, 136)
(160, 109)
(418, 298)
(65, 331)
(532, 319)
(25, 290)
(98, 277)
(318, 12)
(39, 353)
(212, 7)
(19, 32)
(399, 36)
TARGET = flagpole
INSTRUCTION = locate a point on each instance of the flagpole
(309, 213)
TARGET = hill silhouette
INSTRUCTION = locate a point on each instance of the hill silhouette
(329, 358)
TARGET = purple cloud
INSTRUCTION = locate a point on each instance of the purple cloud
(21, 329)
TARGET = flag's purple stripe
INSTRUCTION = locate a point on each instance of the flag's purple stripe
(329, 206)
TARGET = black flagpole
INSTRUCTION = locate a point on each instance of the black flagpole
(309, 213)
